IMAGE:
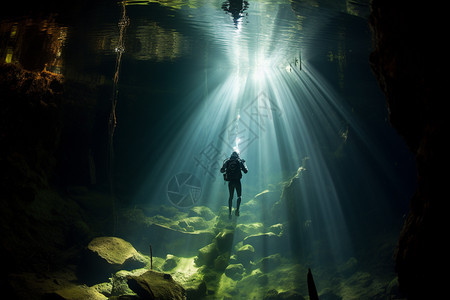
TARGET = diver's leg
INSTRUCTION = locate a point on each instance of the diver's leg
(238, 191)
(230, 198)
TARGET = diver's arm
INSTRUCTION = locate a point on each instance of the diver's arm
(224, 167)
(244, 166)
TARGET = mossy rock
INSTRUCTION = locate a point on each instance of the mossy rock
(201, 211)
(224, 240)
(276, 228)
(170, 262)
(269, 263)
(235, 271)
(286, 295)
(76, 292)
(266, 243)
(104, 288)
(245, 254)
(244, 230)
(198, 223)
(155, 285)
(106, 255)
(207, 255)
(117, 251)
(163, 210)
(221, 262)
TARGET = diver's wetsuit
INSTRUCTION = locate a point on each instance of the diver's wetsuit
(234, 180)
(232, 185)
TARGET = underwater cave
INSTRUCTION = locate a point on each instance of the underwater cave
(118, 119)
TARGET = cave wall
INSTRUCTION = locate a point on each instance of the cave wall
(406, 62)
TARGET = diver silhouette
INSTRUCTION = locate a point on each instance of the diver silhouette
(231, 170)
(236, 8)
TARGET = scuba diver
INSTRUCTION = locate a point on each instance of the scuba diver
(231, 170)
(236, 9)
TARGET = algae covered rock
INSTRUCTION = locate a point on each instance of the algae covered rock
(224, 240)
(265, 243)
(170, 262)
(201, 211)
(207, 255)
(104, 288)
(276, 228)
(221, 262)
(245, 254)
(76, 292)
(116, 251)
(106, 255)
(155, 285)
(235, 271)
(195, 287)
(119, 282)
(287, 295)
(269, 263)
(244, 230)
(197, 223)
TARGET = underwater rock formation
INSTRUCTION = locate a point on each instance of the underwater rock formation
(235, 271)
(76, 292)
(155, 285)
(275, 295)
(206, 255)
(106, 255)
(265, 243)
(201, 211)
(168, 230)
(170, 262)
(216, 253)
(243, 230)
(409, 75)
(245, 255)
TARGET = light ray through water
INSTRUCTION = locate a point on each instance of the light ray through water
(265, 99)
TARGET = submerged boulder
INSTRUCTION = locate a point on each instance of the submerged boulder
(265, 243)
(197, 223)
(155, 285)
(235, 271)
(166, 238)
(221, 262)
(207, 255)
(287, 295)
(201, 211)
(245, 255)
(119, 282)
(195, 287)
(106, 255)
(276, 228)
(117, 251)
(224, 240)
(170, 262)
(244, 230)
(269, 263)
(76, 292)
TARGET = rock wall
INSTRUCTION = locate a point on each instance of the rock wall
(406, 62)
